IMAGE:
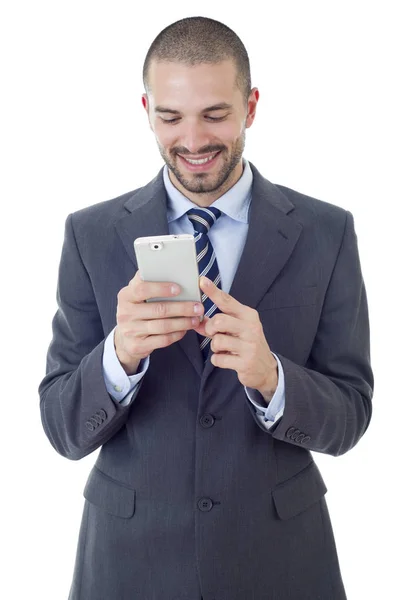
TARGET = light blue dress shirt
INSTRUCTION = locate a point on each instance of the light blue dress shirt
(228, 237)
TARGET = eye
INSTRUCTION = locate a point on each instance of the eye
(176, 119)
(170, 120)
(215, 119)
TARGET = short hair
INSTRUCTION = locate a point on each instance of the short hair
(197, 40)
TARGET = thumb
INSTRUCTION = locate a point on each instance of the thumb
(201, 328)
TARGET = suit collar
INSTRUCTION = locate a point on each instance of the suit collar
(155, 192)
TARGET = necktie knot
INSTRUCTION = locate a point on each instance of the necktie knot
(203, 218)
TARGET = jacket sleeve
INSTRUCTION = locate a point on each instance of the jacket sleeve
(78, 414)
(328, 402)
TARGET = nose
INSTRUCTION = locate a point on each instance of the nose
(194, 137)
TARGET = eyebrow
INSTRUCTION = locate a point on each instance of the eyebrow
(220, 106)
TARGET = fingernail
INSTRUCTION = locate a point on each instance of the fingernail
(197, 308)
(195, 321)
(174, 289)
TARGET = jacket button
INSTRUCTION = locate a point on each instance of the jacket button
(102, 414)
(205, 504)
(294, 435)
(305, 439)
(207, 421)
(299, 438)
(89, 425)
(289, 432)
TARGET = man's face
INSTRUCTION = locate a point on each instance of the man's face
(198, 113)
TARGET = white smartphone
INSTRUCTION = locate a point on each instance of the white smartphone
(170, 258)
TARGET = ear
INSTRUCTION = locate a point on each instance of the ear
(252, 106)
(145, 102)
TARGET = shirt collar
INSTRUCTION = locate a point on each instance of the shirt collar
(235, 202)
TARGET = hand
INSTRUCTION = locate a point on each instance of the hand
(238, 341)
(142, 327)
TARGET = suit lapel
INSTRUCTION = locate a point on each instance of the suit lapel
(147, 215)
(271, 239)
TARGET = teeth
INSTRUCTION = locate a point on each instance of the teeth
(201, 161)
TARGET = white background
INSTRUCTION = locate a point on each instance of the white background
(73, 133)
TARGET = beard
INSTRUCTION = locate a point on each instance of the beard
(203, 183)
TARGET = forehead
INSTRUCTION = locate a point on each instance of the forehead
(176, 85)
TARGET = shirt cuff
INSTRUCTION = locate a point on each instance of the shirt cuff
(119, 385)
(269, 415)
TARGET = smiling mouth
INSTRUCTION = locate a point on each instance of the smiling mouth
(199, 161)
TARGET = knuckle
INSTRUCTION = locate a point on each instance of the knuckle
(255, 327)
(165, 326)
(225, 296)
(125, 312)
(160, 309)
(122, 317)
(217, 360)
(166, 340)
(135, 278)
(188, 310)
(122, 314)
(255, 317)
(218, 320)
(149, 328)
(138, 289)
(216, 343)
(121, 295)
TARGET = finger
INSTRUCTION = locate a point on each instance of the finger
(161, 326)
(226, 343)
(140, 290)
(222, 323)
(153, 342)
(201, 328)
(165, 310)
(227, 361)
(226, 303)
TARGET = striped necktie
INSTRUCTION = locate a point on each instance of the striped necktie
(202, 219)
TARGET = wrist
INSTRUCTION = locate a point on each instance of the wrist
(129, 365)
(268, 389)
(128, 362)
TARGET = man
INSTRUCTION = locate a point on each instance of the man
(205, 486)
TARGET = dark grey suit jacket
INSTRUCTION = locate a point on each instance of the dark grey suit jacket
(189, 495)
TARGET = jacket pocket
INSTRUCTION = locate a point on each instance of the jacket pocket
(298, 493)
(306, 296)
(112, 496)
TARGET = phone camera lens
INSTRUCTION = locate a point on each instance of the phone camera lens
(156, 246)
